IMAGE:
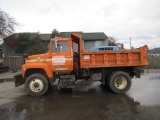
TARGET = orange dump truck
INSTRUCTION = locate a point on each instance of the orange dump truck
(113, 68)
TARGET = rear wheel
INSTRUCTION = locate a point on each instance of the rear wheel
(36, 84)
(120, 82)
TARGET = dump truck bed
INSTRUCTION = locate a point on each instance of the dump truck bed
(114, 58)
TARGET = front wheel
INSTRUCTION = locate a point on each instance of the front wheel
(120, 82)
(36, 84)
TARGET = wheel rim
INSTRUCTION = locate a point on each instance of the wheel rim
(120, 82)
(36, 85)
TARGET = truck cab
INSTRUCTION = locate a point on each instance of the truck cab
(59, 58)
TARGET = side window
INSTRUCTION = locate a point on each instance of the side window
(61, 47)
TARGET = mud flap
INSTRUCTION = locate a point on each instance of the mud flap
(18, 80)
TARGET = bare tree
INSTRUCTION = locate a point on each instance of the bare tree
(112, 42)
(7, 24)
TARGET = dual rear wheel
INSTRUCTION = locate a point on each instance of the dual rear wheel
(119, 82)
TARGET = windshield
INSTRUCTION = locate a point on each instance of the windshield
(61, 46)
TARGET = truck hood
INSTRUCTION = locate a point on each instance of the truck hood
(37, 58)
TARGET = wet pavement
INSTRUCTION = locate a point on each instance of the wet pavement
(8, 76)
(88, 101)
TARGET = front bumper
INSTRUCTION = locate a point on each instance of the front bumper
(18, 80)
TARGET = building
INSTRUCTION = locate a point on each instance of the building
(94, 39)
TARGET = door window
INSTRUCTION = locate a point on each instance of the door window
(61, 47)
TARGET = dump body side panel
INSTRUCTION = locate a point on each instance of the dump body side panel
(118, 58)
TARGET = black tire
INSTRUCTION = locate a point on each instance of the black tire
(107, 80)
(120, 82)
(36, 84)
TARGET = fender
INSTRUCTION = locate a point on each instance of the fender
(44, 66)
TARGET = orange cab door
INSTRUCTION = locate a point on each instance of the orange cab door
(62, 56)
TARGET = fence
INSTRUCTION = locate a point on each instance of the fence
(16, 62)
(154, 61)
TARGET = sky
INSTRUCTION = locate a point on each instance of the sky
(121, 19)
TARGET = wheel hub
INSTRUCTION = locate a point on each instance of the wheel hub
(36, 85)
(120, 82)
